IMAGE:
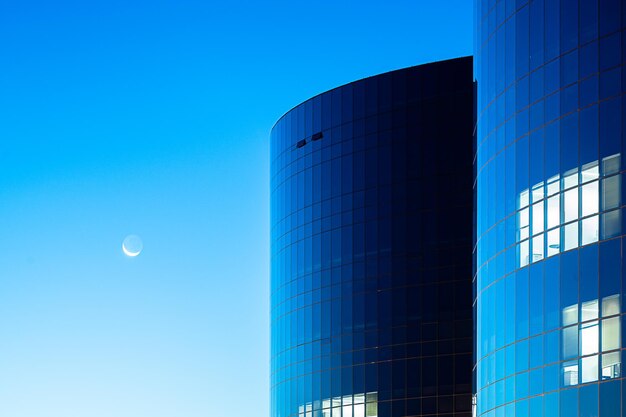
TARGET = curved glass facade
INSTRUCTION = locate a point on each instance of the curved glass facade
(549, 235)
(371, 243)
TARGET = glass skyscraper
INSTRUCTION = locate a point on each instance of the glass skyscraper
(549, 235)
(371, 248)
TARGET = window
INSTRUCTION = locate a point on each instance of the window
(570, 342)
(570, 205)
(537, 217)
(589, 172)
(570, 373)
(589, 230)
(537, 248)
(610, 334)
(611, 365)
(523, 253)
(589, 198)
(589, 369)
(523, 221)
(553, 211)
(589, 310)
(610, 164)
(589, 338)
(570, 236)
(553, 242)
(610, 305)
(611, 192)
(570, 179)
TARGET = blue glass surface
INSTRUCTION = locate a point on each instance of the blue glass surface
(371, 236)
(551, 104)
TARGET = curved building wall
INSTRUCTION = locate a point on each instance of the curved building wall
(371, 237)
(549, 163)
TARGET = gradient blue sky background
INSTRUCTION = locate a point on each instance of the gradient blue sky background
(152, 117)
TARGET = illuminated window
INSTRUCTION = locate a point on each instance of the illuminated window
(611, 224)
(611, 334)
(570, 342)
(611, 365)
(589, 338)
(589, 230)
(537, 192)
(589, 310)
(523, 253)
(538, 248)
(523, 199)
(573, 203)
(570, 236)
(589, 198)
(554, 242)
(554, 210)
(570, 179)
(589, 371)
(589, 172)
(611, 192)
(523, 223)
(537, 217)
(610, 305)
(570, 373)
(570, 205)
(610, 164)
(553, 185)
(570, 315)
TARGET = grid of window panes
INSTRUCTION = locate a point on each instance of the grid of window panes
(371, 236)
(549, 207)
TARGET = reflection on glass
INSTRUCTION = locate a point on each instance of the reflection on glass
(570, 373)
(589, 338)
(589, 230)
(589, 367)
(611, 365)
(553, 242)
(589, 198)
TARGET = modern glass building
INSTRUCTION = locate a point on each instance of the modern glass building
(371, 248)
(549, 237)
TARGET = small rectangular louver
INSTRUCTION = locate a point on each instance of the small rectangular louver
(317, 136)
(301, 143)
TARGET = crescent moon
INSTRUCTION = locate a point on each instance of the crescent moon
(129, 253)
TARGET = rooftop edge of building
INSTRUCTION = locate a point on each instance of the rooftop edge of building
(427, 65)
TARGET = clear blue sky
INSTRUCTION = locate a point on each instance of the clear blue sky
(152, 117)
